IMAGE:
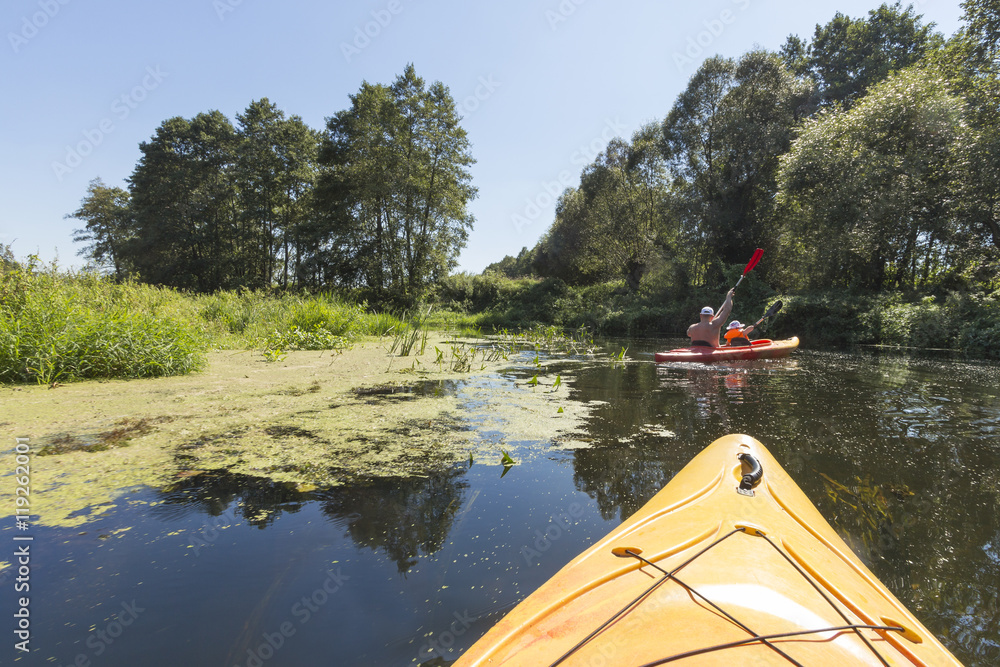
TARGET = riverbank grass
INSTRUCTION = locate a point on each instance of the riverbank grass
(65, 326)
(57, 327)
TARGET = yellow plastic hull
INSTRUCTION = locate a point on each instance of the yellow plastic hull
(740, 566)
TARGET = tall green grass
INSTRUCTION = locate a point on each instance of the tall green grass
(66, 326)
(246, 319)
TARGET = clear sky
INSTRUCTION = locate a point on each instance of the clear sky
(542, 85)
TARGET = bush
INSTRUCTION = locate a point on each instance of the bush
(295, 338)
(78, 326)
(979, 333)
(824, 320)
(319, 313)
(925, 324)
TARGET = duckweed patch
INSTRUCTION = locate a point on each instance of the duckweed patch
(119, 436)
(292, 432)
(302, 391)
(383, 390)
(347, 418)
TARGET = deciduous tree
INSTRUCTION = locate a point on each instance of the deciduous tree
(108, 227)
(394, 192)
(866, 191)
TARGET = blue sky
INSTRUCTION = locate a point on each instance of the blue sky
(543, 85)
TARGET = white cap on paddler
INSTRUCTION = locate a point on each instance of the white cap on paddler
(707, 310)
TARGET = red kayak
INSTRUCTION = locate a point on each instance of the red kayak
(758, 349)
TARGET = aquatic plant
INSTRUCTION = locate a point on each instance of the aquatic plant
(407, 334)
(547, 338)
(317, 338)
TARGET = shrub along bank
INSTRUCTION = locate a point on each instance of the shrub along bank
(969, 323)
(66, 326)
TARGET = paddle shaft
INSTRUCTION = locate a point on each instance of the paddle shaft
(770, 312)
(752, 263)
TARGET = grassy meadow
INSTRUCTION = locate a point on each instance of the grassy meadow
(63, 326)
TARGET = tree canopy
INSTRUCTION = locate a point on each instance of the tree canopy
(849, 55)
(867, 156)
(867, 191)
(378, 200)
(395, 188)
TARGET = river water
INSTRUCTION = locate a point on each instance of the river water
(900, 454)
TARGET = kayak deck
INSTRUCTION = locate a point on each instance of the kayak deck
(706, 575)
(758, 349)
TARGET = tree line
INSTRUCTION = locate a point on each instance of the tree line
(376, 201)
(866, 157)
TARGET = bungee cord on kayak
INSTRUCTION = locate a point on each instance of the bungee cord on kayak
(747, 482)
(735, 601)
(755, 637)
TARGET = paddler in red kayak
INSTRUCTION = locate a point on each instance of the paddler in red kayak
(706, 332)
(737, 335)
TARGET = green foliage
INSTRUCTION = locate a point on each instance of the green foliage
(982, 18)
(848, 56)
(65, 327)
(183, 205)
(210, 205)
(607, 228)
(721, 142)
(514, 267)
(925, 324)
(318, 314)
(108, 228)
(866, 191)
(823, 320)
(979, 333)
(314, 338)
(242, 318)
(409, 333)
(395, 189)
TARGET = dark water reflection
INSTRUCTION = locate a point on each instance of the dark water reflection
(900, 454)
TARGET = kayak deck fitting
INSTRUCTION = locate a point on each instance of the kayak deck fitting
(758, 349)
(729, 564)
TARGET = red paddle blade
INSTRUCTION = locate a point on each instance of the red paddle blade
(753, 260)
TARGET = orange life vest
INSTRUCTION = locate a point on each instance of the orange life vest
(736, 337)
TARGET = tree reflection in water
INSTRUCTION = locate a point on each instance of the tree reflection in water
(403, 516)
(259, 500)
(899, 454)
